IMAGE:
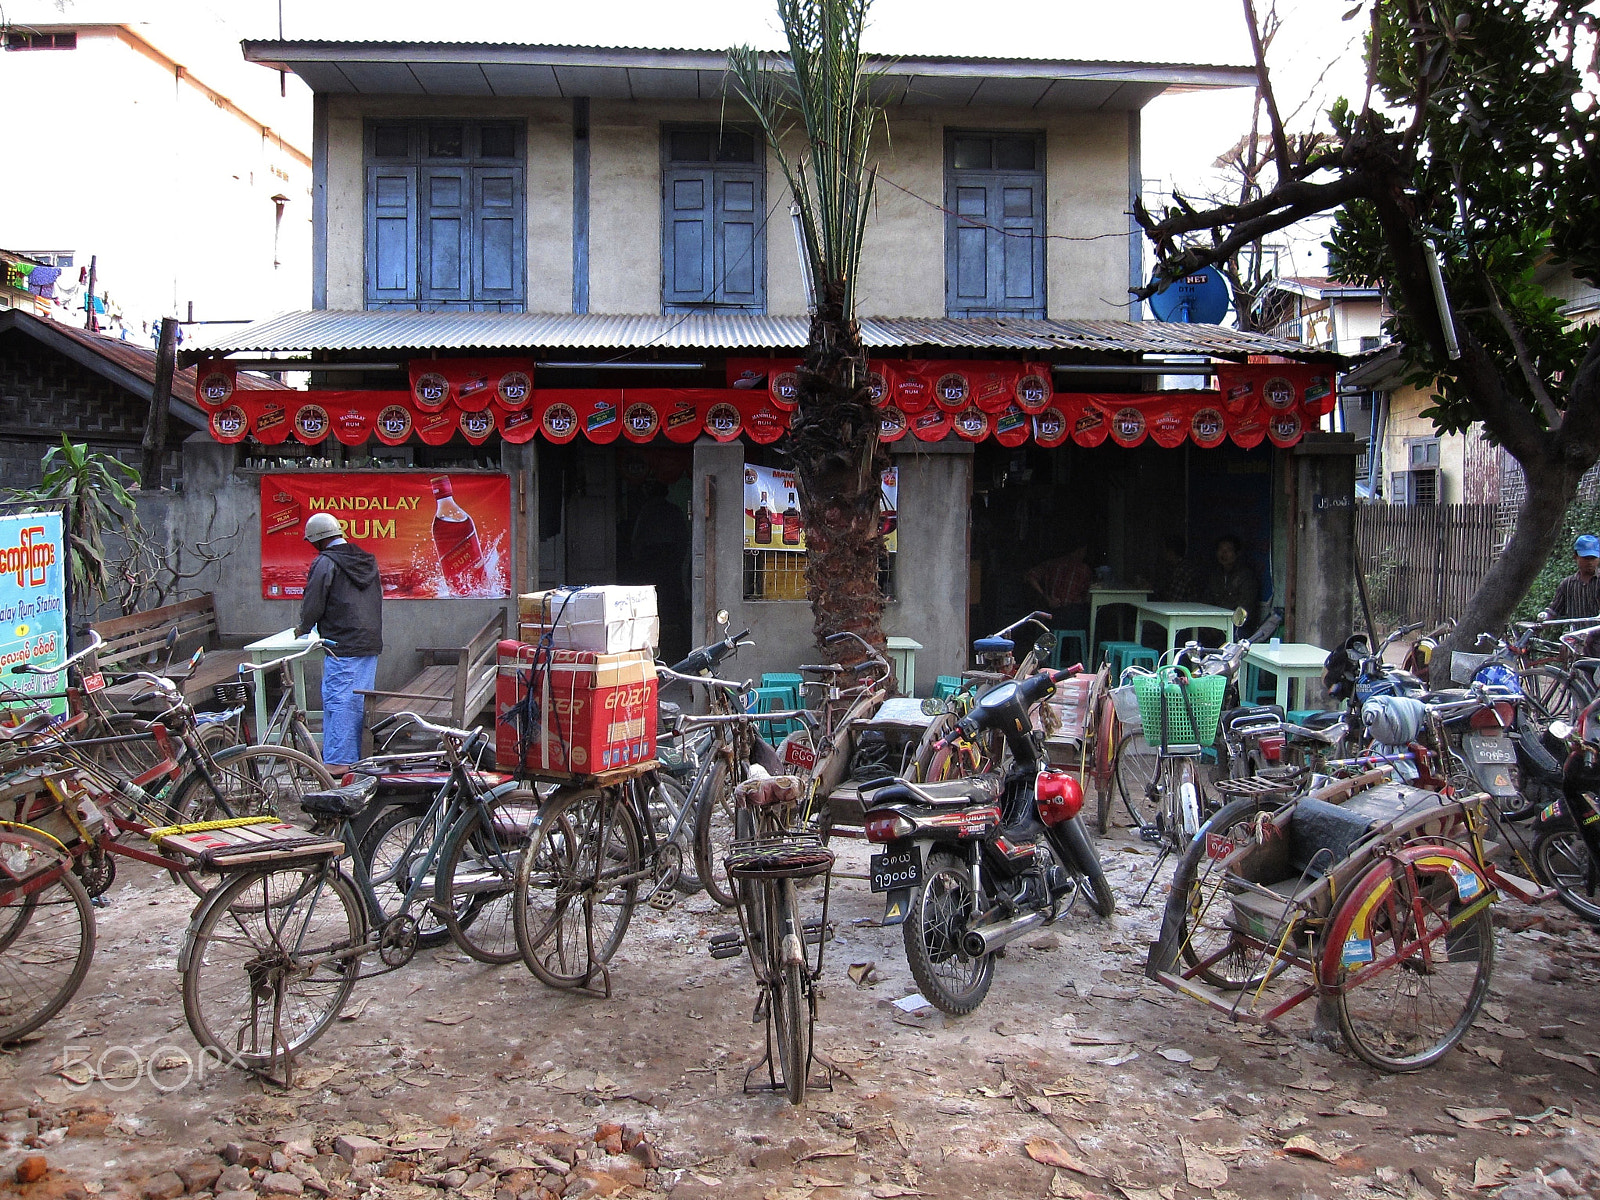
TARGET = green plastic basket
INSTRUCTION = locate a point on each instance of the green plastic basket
(1204, 701)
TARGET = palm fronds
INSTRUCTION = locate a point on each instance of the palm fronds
(821, 89)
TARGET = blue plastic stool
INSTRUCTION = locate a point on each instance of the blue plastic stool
(1260, 692)
(773, 699)
(1080, 642)
(1111, 653)
(945, 686)
(1137, 655)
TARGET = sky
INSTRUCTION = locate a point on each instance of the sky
(1316, 56)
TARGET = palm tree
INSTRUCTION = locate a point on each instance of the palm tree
(813, 105)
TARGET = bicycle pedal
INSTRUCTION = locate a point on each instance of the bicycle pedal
(725, 939)
(663, 899)
(727, 950)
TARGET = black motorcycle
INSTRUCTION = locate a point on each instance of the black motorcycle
(1567, 850)
(975, 863)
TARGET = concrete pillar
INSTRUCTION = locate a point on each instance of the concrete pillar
(1321, 604)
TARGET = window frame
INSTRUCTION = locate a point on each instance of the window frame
(1039, 176)
(417, 169)
(718, 175)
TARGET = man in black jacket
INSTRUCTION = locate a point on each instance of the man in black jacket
(344, 602)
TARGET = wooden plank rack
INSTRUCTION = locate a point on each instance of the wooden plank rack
(244, 842)
(603, 779)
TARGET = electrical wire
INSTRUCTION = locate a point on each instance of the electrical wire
(969, 222)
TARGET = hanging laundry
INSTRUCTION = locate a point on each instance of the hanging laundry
(42, 282)
(17, 274)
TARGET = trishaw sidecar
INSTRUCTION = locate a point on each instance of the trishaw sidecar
(1378, 891)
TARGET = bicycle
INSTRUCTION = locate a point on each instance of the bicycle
(271, 955)
(286, 725)
(764, 863)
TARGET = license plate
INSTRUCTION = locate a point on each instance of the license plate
(94, 683)
(1490, 749)
(796, 754)
(899, 869)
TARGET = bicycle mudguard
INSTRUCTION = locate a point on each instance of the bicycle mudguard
(1349, 939)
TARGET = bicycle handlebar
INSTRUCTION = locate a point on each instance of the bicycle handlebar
(442, 731)
(278, 662)
(31, 669)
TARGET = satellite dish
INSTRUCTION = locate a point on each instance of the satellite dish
(1199, 299)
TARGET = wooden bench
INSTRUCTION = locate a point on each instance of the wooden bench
(454, 684)
(138, 642)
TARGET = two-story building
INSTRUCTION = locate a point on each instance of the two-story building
(578, 267)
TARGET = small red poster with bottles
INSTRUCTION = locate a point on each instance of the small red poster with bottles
(772, 518)
(435, 537)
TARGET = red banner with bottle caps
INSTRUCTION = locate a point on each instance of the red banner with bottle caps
(927, 401)
(435, 537)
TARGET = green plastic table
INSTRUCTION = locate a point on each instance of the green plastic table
(1288, 661)
(276, 646)
(1175, 615)
(1104, 597)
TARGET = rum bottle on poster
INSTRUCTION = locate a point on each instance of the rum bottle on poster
(763, 523)
(791, 523)
(456, 539)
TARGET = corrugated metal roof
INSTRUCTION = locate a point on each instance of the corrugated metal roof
(404, 330)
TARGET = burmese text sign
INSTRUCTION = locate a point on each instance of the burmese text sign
(33, 611)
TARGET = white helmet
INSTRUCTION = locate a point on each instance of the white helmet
(322, 525)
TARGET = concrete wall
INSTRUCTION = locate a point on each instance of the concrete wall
(935, 488)
(153, 167)
(219, 499)
(549, 182)
(903, 261)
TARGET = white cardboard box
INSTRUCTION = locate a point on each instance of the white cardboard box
(610, 619)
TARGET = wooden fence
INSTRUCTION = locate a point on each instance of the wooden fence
(1422, 563)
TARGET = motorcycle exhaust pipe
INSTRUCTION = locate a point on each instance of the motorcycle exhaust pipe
(986, 939)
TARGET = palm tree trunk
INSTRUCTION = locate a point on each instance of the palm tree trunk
(838, 464)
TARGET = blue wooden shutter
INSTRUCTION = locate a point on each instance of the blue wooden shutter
(445, 245)
(1020, 257)
(498, 240)
(391, 237)
(738, 260)
(994, 234)
(687, 259)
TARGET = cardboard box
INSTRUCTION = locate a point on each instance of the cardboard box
(605, 620)
(590, 712)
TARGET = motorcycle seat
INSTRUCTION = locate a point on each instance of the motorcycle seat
(1325, 719)
(344, 801)
(977, 789)
(993, 645)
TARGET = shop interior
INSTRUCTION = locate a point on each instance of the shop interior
(1033, 507)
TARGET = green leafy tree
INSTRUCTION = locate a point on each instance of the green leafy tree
(814, 108)
(1473, 158)
(93, 489)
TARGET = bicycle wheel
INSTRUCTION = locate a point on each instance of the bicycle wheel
(477, 876)
(391, 853)
(1552, 694)
(261, 971)
(576, 885)
(791, 1024)
(1408, 1015)
(1565, 863)
(253, 781)
(1135, 772)
(713, 833)
(1198, 914)
(46, 940)
(940, 910)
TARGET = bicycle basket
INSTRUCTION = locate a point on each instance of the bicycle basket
(1464, 667)
(1204, 696)
(780, 856)
(233, 694)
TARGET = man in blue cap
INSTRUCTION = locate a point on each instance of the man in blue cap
(1578, 595)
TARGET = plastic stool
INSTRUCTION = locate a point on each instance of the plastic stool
(1111, 653)
(1135, 654)
(793, 682)
(1080, 641)
(1259, 691)
(772, 699)
(1299, 716)
(945, 686)
(1106, 653)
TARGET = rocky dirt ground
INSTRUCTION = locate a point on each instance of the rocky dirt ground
(1076, 1078)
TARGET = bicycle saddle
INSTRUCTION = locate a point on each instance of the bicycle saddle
(344, 801)
(993, 645)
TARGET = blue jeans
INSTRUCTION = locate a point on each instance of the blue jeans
(342, 709)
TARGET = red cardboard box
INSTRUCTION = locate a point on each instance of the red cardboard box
(590, 713)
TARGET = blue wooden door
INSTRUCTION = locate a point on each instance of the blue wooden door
(995, 262)
(391, 237)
